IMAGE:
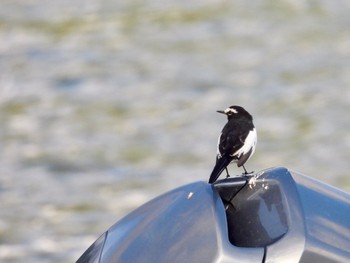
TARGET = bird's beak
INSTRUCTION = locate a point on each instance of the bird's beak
(221, 111)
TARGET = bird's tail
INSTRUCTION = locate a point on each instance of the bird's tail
(220, 165)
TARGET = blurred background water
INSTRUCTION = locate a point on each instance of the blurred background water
(106, 104)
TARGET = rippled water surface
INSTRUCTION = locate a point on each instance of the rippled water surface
(106, 104)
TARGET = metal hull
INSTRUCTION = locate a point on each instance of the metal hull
(275, 216)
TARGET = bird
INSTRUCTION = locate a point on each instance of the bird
(236, 142)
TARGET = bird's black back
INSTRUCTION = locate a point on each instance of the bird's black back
(233, 135)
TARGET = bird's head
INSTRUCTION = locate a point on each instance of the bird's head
(235, 112)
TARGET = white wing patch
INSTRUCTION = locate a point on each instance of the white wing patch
(218, 151)
(249, 143)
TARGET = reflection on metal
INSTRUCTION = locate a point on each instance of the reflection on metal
(256, 217)
(190, 194)
(275, 216)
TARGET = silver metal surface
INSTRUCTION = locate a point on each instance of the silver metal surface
(185, 225)
(327, 221)
(273, 216)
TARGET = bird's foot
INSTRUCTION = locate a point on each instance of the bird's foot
(248, 174)
(227, 174)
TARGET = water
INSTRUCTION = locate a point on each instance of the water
(105, 105)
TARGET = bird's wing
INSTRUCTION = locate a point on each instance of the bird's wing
(244, 157)
(248, 148)
(229, 142)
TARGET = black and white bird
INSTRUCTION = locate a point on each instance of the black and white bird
(236, 142)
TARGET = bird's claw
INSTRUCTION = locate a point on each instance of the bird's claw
(248, 173)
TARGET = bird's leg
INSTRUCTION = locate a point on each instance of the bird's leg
(245, 171)
(227, 174)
